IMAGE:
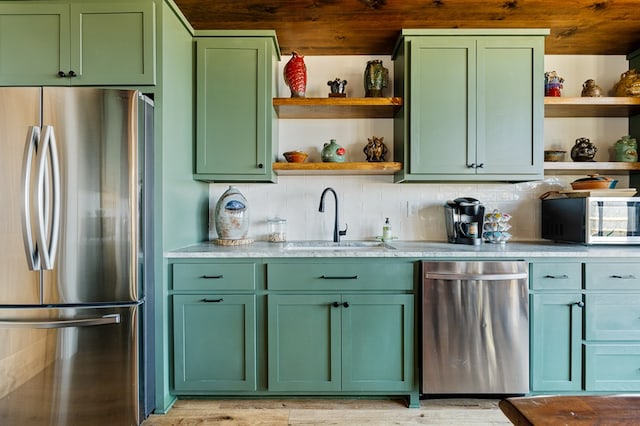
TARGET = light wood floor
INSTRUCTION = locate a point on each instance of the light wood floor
(459, 412)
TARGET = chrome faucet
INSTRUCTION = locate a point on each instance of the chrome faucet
(336, 228)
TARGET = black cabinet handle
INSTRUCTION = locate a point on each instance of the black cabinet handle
(335, 304)
(212, 277)
(471, 166)
(557, 277)
(345, 304)
(338, 304)
(261, 166)
(624, 277)
(205, 300)
(63, 75)
(579, 304)
(479, 166)
(329, 277)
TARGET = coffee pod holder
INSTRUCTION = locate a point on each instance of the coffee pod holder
(496, 226)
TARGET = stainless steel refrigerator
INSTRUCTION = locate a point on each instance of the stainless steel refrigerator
(75, 315)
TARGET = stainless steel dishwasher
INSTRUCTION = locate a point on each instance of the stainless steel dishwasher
(475, 328)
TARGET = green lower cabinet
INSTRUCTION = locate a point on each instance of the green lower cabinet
(612, 367)
(377, 343)
(340, 342)
(304, 343)
(214, 343)
(556, 342)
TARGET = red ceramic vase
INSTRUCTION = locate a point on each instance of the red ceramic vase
(295, 75)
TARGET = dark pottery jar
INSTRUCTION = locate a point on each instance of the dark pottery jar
(583, 150)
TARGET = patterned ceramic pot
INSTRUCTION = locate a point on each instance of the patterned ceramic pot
(376, 78)
(333, 153)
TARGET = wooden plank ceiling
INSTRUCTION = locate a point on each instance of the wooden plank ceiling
(371, 27)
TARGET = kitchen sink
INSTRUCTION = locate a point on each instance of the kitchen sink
(343, 245)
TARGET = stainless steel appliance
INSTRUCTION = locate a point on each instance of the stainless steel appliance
(74, 313)
(475, 328)
(464, 220)
(592, 220)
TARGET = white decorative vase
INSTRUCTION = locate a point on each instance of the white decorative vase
(231, 216)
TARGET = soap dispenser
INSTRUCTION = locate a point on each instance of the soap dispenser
(386, 230)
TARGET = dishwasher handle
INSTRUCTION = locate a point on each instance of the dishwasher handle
(475, 277)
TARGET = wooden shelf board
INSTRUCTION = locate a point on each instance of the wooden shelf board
(351, 168)
(337, 107)
(591, 107)
(610, 167)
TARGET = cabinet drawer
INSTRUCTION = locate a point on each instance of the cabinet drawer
(340, 276)
(612, 317)
(214, 276)
(556, 276)
(613, 368)
(623, 275)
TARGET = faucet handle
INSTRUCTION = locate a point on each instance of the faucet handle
(343, 233)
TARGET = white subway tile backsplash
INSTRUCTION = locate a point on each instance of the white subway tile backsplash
(415, 210)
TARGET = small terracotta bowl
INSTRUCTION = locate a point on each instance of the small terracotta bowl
(295, 156)
(554, 155)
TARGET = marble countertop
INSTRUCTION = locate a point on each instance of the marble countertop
(411, 249)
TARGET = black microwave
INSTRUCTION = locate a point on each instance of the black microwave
(592, 220)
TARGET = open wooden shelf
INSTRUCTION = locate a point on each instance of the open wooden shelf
(591, 107)
(337, 107)
(351, 168)
(610, 167)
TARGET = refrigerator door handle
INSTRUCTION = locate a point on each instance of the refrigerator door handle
(33, 258)
(48, 150)
(85, 322)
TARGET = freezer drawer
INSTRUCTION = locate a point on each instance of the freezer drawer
(69, 366)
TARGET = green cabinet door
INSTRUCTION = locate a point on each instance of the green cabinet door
(83, 43)
(113, 43)
(304, 342)
(510, 106)
(214, 343)
(235, 118)
(377, 342)
(556, 339)
(442, 106)
(34, 43)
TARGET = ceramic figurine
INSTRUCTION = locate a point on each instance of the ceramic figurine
(626, 149)
(629, 84)
(376, 77)
(583, 150)
(590, 89)
(337, 87)
(333, 153)
(375, 150)
(295, 75)
(232, 215)
(552, 84)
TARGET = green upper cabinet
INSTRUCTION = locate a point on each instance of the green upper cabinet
(77, 43)
(473, 105)
(236, 136)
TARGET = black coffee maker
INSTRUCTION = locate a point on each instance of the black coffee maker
(464, 220)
